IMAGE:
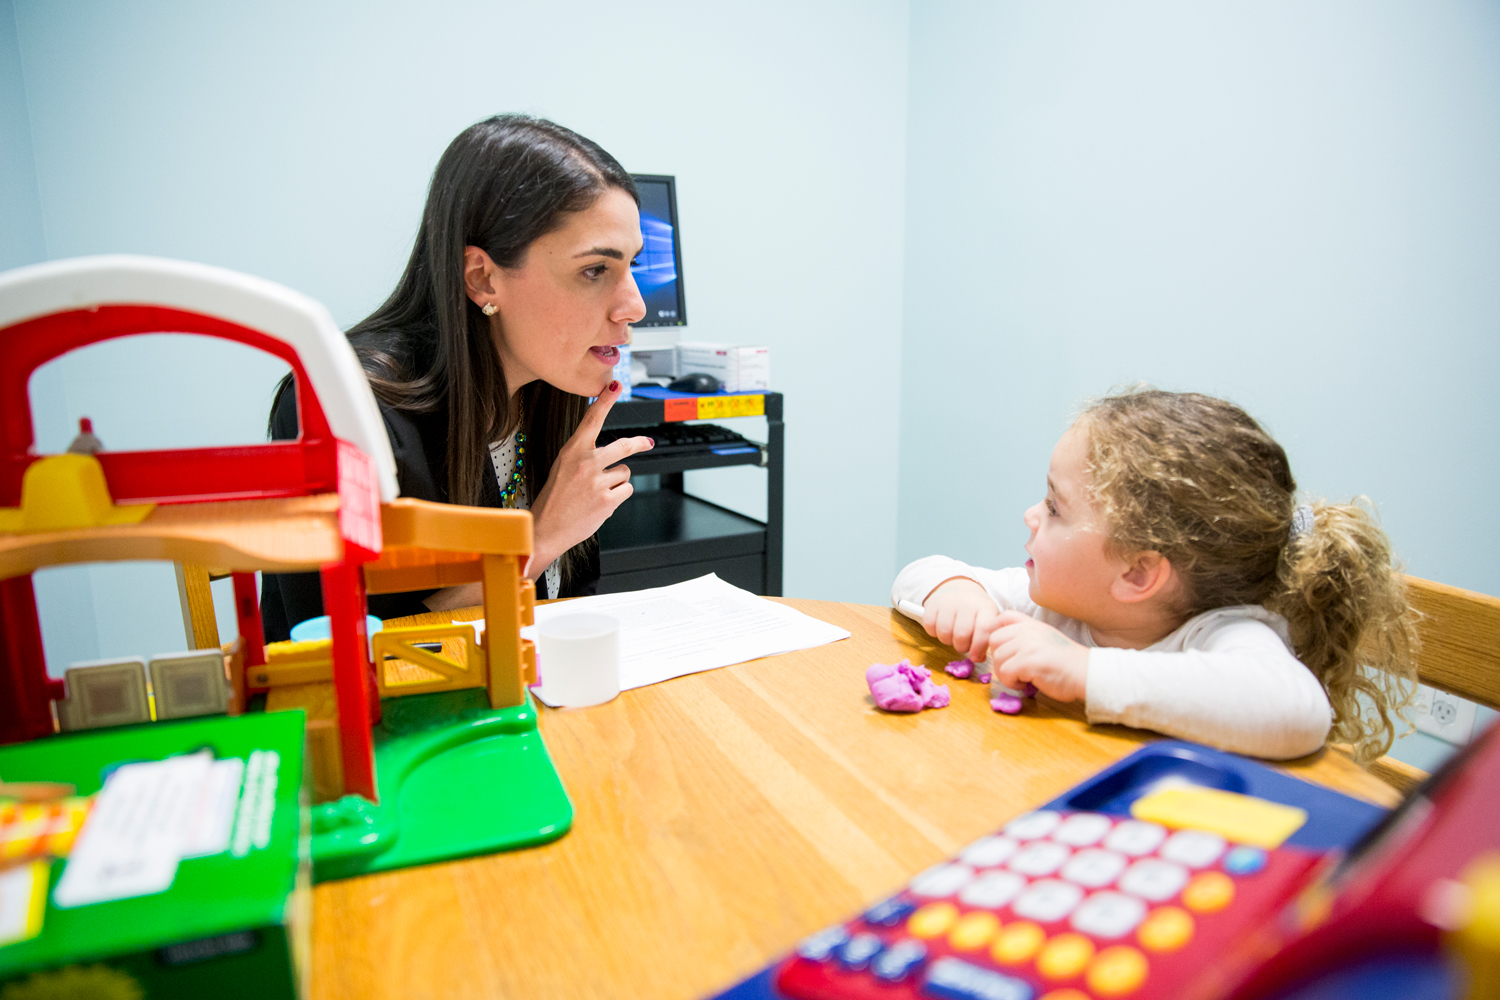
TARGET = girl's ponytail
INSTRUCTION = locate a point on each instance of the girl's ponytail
(1350, 621)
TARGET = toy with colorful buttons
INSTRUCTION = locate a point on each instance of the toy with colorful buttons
(1140, 882)
(1060, 905)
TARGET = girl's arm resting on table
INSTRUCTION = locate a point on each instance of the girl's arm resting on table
(1244, 692)
(914, 584)
(958, 604)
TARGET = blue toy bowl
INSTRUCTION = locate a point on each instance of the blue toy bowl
(317, 628)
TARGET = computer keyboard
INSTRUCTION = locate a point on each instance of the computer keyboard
(682, 438)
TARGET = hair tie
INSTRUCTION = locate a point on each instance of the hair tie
(1302, 521)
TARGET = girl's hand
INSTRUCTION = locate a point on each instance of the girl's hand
(1024, 649)
(583, 488)
(960, 613)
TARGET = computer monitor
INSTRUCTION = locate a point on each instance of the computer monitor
(658, 269)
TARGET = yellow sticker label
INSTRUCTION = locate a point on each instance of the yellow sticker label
(1243, 819)
(719, 407)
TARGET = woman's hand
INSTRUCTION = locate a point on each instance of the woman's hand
(1022, 649)
(584, 487)
(960, 613)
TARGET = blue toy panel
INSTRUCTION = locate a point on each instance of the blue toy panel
(1334, 820)
(661, 392)
(1404, 977)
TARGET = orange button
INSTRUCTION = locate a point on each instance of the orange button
(974, 931)
(1166, 929)
(1208, 892)
(1017, 943)
(932, 920)
(1065, 956)
(1117, 971)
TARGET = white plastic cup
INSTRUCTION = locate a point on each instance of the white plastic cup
(578, 657)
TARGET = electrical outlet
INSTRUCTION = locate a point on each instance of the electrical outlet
(1438, 713)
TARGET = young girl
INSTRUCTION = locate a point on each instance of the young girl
(1174, 585)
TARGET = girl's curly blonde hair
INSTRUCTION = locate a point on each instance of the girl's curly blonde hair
(1196, 479)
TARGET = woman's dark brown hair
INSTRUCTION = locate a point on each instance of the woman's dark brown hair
(501, 184)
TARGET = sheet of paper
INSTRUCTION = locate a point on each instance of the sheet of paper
(136, 834)
(696, 625)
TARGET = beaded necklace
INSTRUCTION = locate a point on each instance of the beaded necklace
(508, 495)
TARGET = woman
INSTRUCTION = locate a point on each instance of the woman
(509, 315)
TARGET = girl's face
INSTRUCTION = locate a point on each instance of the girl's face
(565, 312)
(1070, 567)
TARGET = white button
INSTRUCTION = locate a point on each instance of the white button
(992, 890)
(1154, 879)
(988, 852)
(1082, 829)
(1094, 868)
(1194, 848)
(1135, 838)
(1042, 857)
(1109, 915)
(1047, 900)
(1033, 825)
(941, 880)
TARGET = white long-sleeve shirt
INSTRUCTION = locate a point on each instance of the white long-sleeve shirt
(1227, 678)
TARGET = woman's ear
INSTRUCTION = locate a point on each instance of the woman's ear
(479, 276)
(1146, 574)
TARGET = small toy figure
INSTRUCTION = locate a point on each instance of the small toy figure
(85, 443)
(901, 687)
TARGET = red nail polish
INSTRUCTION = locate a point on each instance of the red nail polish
(614, 386)
(653, 442)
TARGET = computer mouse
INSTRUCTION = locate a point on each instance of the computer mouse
(695, 382)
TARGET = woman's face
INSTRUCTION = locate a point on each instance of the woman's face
(564, 313)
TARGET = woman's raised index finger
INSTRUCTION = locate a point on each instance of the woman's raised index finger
(593, 418)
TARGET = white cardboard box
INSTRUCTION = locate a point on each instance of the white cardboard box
(740, 369)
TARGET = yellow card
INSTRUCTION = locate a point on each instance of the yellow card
(23, 901)
(1243, 819)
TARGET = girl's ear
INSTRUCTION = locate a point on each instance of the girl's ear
(479, 275)
(1146, 574)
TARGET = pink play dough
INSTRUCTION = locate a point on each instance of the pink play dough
(1006, 703)
(965, 668)
(901, 687)
(1004, 700)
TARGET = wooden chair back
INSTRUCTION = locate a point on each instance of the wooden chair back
(1460, 632)
(1460, 654)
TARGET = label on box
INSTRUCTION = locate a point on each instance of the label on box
(252, 827)
(135, 836)
(714, 407)
(214, 818)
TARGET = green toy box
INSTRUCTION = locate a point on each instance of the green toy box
(233, 920)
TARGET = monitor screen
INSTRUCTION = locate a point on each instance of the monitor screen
(658, 269)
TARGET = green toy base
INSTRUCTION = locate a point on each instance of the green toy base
(456, 778)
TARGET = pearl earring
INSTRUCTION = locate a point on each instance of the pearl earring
(489, 308)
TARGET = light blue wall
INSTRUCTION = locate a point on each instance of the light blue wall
(294, 141)
(1290, 204)
(952, 224)
(21, 239)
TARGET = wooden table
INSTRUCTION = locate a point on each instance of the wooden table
(720, 818)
